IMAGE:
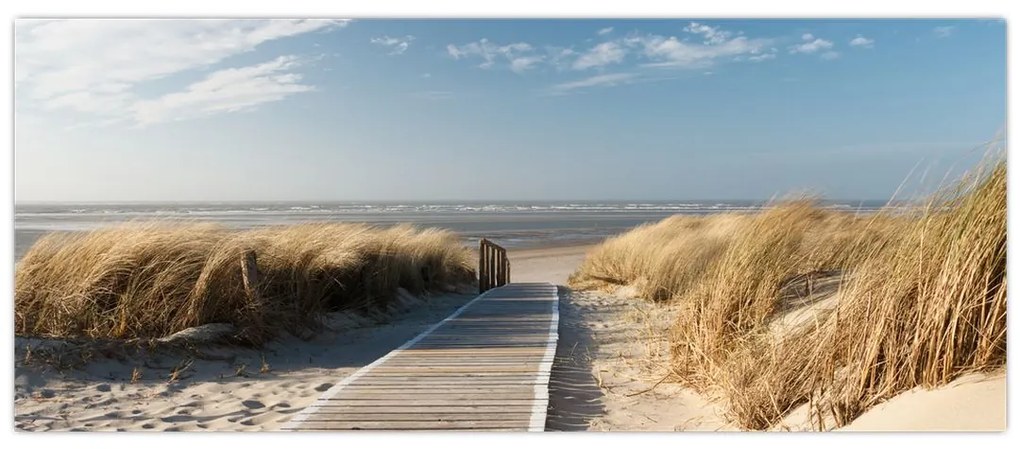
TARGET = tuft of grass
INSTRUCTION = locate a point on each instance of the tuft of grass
(150, 280)
(921, 298)
(265, 368)
(177, 373)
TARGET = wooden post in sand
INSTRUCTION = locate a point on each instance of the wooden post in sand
(249, 273)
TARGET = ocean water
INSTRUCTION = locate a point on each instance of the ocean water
(511, 224)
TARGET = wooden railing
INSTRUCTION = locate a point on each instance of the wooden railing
(493, 266)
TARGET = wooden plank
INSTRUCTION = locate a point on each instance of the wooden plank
(421, 423)
(465, 369)
(490, 267)
(505, 279)
(468, 415)
(341, 408)
(438, 384)
(415, 392)
(486, 367)
(490, 427)
(511, 392)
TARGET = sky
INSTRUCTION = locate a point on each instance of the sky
(428, 110)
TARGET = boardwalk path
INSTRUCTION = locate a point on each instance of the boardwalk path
(485, 367)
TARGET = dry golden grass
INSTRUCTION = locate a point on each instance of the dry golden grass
(922, 310)
(147, 280)
(922, 298)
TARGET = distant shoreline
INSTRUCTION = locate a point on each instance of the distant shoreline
(515, 225)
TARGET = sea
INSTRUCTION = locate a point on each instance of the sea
(511, 224)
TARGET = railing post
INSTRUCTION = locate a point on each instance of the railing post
(481, 266)
(488, 265)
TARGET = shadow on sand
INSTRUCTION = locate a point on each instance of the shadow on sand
(575, 398)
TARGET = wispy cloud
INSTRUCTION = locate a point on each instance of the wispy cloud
(605, 31)
(716, 45)
(518, 56)
(712, 35)
(397, 45)
(861, 41)
(811, 44)
(762, 56)
(713, 45)
(944, 31)
(601, 55)
(604, 80)
(228, 90)
(97, 66)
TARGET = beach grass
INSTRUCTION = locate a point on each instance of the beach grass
(150, 280)
(921, 298)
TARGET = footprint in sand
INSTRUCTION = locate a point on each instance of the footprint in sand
(177, 418)
(103, 387)
(253, 404)
(324, 387)
(259, 420)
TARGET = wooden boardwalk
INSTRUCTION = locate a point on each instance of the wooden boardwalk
(485, 367)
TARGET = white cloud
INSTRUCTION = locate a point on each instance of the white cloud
(673, 52)
(605, 31)
(811, 44)
(560, 57)
(524, 63)
(605, 80)
(96, 66)
(227, 90)
(712, 35)
(397, 45)
(600, 55)
(518, 56)
(762, 56)
(861, 41)
(944, 31)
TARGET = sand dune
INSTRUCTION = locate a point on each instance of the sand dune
(974, 402)
(228, 394)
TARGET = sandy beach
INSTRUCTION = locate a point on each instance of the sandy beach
(609, 374)
(228, 389)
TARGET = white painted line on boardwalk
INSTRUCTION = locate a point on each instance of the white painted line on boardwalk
(329, 394)
(541, 407)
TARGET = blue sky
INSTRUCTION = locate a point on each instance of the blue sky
(499, 109)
